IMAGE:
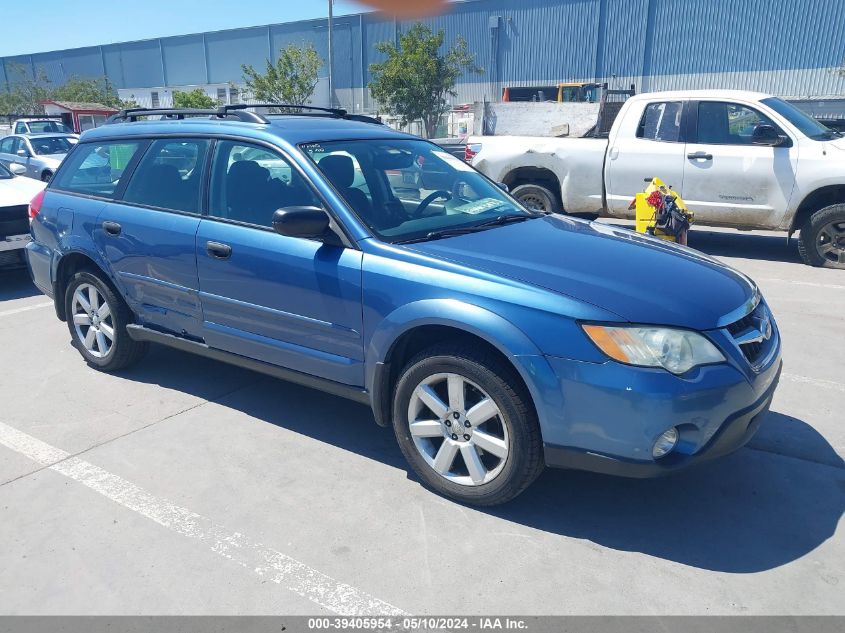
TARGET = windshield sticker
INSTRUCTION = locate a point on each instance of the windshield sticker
(452, 161)
(478, 206)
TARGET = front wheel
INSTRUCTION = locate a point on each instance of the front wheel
(46, 175)
(466, 426)
(97, 319)
(822, 238)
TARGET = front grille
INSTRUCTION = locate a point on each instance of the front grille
(754, 333)
(14, 220)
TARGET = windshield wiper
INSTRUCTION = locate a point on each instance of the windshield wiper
(463, 230)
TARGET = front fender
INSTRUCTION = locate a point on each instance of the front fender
(503, 335)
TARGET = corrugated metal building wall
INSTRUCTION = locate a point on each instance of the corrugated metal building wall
(786, 47)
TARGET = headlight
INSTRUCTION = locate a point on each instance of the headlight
(677, 351)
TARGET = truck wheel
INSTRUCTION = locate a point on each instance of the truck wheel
(466, 427)
(536, 198)
(97, 319)
(822, 238)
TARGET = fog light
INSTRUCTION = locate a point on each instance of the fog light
(665, 443)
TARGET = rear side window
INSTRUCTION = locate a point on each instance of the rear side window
(8, 145)
(661, 122)
(95, 169)
(169, 175)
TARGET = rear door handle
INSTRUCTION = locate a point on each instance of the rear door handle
(218, 250)
(700, 156)
(112, 228)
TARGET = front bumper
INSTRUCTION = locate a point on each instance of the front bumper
(731, 435)
(612, 414)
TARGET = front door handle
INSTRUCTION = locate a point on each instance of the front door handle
(218, 250)
(112, 228)
(700, 156)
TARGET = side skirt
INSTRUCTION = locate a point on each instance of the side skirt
(141, 333)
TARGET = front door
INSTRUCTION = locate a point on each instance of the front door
(655, 149)
(730, 181)
(288, 301)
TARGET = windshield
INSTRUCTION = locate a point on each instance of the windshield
(411, 189)
(48, 126)
(51, 144)
(808, 126)
(5, 174)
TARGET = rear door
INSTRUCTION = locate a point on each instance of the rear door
(148, 236)
(288, 301)
(651, 144)
(727, 179)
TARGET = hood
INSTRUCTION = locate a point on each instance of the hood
(642, 279)
(838, 143)
(19, 190)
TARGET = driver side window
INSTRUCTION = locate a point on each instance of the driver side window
(250, 182)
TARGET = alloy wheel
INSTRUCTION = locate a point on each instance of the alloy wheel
(458, 429)
(831, 242)
(92, 320)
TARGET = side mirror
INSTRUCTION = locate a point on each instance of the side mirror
(307, 222)
(766, 135)
(17, 169)
(22, 153)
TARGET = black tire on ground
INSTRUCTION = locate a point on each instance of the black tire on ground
(124, 351)
(499, 380)
(536, 198)
(822, 238)
(46, 175)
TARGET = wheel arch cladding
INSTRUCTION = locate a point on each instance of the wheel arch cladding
(417, 325)
(65, 266)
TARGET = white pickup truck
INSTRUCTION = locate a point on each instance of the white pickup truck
(738, 159)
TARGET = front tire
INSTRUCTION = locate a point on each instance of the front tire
(466, 425)
(97, 318)
(536, 198)
(822, 239)
(46, 175)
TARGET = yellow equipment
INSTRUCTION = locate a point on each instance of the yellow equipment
(650, 206)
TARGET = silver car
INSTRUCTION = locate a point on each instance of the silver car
(40, 154)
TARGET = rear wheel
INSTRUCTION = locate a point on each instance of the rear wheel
(536, 198)
(822, 238)
(97, 319)
(466, 427)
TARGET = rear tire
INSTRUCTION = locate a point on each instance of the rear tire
(536, 198)
(97, 318)
(491, 449)
(822, 239)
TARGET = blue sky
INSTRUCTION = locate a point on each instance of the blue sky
(49, 25)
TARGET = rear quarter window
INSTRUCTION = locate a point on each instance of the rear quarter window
(95, 169)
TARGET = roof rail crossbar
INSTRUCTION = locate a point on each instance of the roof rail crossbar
(339, 112)
(132, 114)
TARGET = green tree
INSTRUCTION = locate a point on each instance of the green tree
(196, 98)
(26, 92)
(88, 90)
(416, 77)
(291, 80)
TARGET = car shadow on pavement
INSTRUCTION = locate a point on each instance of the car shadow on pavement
(755, 510)
(745, 245)
(16, 284)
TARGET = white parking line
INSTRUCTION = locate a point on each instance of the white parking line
(802, 283)
(35, 306)
(818, 382)
(268, 563)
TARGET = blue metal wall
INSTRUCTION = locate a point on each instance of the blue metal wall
(787, 47)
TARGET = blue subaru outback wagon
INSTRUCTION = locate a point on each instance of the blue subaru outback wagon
(331, 251)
